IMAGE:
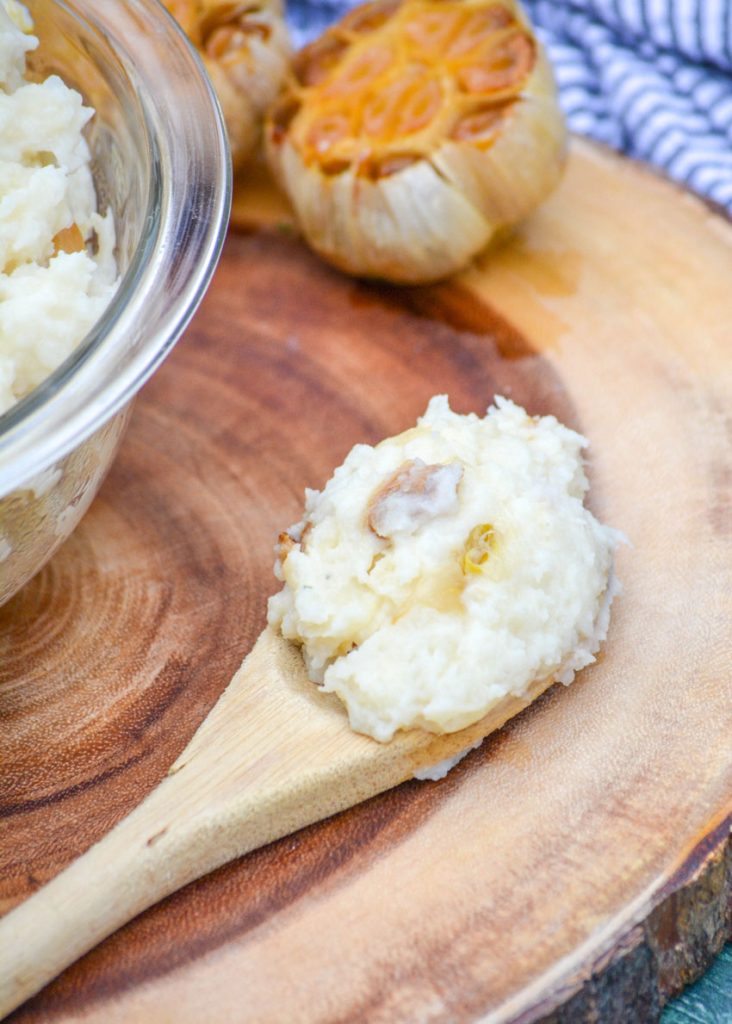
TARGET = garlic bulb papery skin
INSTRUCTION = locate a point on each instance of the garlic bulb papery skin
(246, 50)
(410, 133)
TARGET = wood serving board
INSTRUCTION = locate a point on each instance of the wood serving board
(577, 867)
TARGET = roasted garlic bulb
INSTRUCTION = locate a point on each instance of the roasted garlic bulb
(246, 50)
(410, 132)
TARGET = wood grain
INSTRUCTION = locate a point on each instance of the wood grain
(580, 859)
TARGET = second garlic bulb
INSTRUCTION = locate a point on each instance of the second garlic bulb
(246, 50)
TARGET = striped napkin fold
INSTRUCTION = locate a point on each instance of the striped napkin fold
(652, 78)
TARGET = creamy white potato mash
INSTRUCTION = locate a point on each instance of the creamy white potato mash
(57, 270)
(447, 568)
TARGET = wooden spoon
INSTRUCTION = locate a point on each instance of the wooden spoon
(272, 756)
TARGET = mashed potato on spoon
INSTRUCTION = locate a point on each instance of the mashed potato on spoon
(447, 568)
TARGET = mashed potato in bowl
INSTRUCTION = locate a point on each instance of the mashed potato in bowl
(57, 269)
(447, 568)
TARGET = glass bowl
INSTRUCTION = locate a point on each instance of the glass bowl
(161, 163)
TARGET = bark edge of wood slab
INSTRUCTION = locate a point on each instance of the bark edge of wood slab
(681, 927)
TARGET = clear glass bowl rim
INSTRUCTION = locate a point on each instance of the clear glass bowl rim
(91, 386)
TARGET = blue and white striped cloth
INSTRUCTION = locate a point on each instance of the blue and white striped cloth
(650, 77)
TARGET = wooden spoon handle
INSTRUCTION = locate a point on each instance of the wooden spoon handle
(115, 880)
(272, 756)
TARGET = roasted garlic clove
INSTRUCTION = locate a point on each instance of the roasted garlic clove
(416, 494)
(246, 51)
(411, 131)
(478, 548)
